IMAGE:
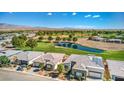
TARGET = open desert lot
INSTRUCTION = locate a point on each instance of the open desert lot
(100, 45)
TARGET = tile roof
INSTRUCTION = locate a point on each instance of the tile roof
(82, 61)
(9, 53)
(116, 67)
(28, 55)
(52, 57)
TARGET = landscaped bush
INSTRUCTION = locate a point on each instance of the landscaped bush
(4, 61)
(41, 66)
(61, 68)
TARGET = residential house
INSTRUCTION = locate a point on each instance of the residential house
(83, 65)
(50, 60)
(114, 40)
(97, 38)
(9, 53)
(116, 69)
(27, 57)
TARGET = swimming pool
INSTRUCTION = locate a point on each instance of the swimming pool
(79, 47)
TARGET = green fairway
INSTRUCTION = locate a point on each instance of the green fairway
(49, 47)
(114, 55)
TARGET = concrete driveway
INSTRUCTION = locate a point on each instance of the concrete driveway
(16, 76)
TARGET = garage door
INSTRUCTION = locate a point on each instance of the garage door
(95, 75)
(119, 79)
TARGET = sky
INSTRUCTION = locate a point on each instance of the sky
(85, 20)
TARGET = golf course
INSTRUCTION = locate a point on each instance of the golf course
(50, 47)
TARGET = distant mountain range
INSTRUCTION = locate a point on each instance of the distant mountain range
(11, 27)
(5, 26)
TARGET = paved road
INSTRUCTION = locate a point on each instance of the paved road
(15, 76)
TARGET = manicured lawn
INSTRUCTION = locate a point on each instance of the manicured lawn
(114, 55)
(49, 47)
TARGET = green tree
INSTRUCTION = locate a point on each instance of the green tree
(58, 38)
(74, 39)
(61, 68)
(23, 37)
(14, 41)
(4, 60)
(64, 39)
(94, 33)
(39, 33)
(17, 42)
(31, 43)
(70, 36)
(50, 38)
(40, 38)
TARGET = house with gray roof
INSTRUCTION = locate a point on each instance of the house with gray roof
(83, 66)
(9, 53)
(27, 57)
(116, 69)
(50, 60)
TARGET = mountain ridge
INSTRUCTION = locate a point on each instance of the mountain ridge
(10, 27)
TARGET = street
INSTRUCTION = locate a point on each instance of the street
(15, 76)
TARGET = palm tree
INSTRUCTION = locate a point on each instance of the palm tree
(106, 76)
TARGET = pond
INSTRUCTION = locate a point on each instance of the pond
(79, 47)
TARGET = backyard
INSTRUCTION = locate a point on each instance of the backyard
(49, 47)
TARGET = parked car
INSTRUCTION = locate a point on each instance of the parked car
(19, 68)
(36, 70)
(23, 66)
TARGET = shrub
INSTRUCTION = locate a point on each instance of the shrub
(41, 66)
(4, 60)
(61, 68)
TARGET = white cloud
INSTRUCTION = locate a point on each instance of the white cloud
(74, 13)
(87, 16)
(49, 14)
(96, 16)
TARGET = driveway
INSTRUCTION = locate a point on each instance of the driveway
(16, 76)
